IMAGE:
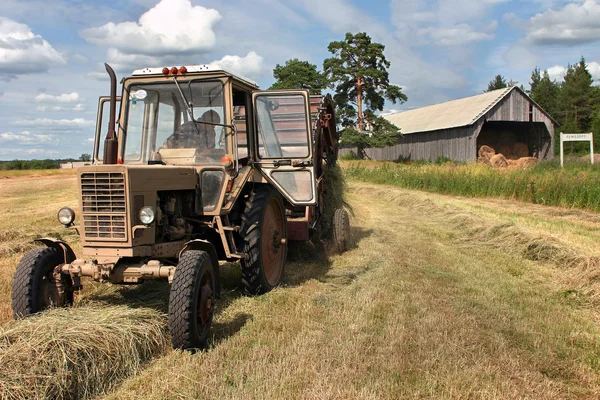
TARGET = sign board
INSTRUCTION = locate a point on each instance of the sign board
(576, 137)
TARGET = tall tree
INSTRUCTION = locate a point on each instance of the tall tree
(499, 82)
(358, 71)
(296, 74)
(576, 97)
(545, 92)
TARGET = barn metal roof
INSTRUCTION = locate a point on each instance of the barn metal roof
(452, 114)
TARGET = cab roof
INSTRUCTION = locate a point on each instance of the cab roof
(195, 68)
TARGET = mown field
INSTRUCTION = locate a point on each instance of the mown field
(439, 297)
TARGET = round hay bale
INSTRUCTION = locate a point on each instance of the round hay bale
(526, 162)
(485, 153)
(498, 161)
(520, 150)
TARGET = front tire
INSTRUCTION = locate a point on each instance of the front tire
(341, 230)
(34, 286)
(192, 300)
(264, 234)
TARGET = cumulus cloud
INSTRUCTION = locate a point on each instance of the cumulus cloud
(27, 138)
(56, 124)
(23, 52)
(251, 65)
(576, 23)
(62, 98)
(170, 27)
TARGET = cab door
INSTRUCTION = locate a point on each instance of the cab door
(283, 143)
(102, 126)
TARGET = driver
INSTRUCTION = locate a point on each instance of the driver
(196, 134)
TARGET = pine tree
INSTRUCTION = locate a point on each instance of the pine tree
(545, 92)
(499, 82)
(576, 97)
(358, 72)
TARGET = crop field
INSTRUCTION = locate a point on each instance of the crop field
(440, 297)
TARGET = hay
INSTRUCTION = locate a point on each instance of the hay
(334, 188)
(485, 153)
(526, 162)
(77, 353)
(498, 161)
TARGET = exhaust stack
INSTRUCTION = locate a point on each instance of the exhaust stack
(111, 143)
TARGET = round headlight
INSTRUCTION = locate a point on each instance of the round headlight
(66, 216)
(147, 215)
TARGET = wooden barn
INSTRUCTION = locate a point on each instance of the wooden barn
(506, 120)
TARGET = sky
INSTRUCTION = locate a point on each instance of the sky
(52, 51)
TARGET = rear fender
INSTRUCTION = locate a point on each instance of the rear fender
(61, 245)
(204, 245)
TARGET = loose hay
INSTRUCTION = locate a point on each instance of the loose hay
(498, 161)
(333, 198)
(77, 353)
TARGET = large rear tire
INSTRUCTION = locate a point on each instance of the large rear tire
(264, 234)
(192, 300)
(34, 286)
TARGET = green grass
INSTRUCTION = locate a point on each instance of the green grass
(575, 186)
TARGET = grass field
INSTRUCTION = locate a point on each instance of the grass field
(439, 297)
(574, 186)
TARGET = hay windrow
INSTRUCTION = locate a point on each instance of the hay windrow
(333, 198)
(79, 352)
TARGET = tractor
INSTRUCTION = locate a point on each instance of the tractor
(199, 167)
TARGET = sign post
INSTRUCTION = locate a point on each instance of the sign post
(576, 137)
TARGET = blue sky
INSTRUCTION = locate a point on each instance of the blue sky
(51, 51)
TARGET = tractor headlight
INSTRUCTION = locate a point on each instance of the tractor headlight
(66, 216)
(147, 215)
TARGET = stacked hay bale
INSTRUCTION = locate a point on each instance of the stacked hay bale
(515, 155)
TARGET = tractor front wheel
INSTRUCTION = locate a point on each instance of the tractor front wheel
(192, 300)
(37, 285)
(264, 235)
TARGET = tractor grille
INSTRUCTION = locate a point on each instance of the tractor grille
(103, 205)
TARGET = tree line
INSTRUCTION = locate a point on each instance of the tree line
(39, 164)
(574, 102)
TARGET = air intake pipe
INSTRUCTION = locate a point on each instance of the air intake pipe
(111, 143)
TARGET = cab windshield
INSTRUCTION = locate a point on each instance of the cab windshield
(176, 122)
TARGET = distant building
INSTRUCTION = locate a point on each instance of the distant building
(75, 164)
(456, 129)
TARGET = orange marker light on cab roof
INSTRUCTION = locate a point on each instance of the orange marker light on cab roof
(165, 71)
(227, 159)
(183, 70)
(174, 70)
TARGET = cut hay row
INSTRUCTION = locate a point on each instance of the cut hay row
(476, 232)
(77, 353)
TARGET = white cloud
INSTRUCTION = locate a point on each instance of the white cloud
(27, 138)
(23, 52)
(62, 98)
(576, 23)
(455, 35)
(251, 65)
(59, 124)
(18, 153)
(558, 72)
(170, 27)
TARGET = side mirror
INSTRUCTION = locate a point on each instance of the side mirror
(273, 105)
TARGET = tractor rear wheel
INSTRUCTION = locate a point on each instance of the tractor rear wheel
(264, 234)
(192, 300)
(341, 230)
(35, 286)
